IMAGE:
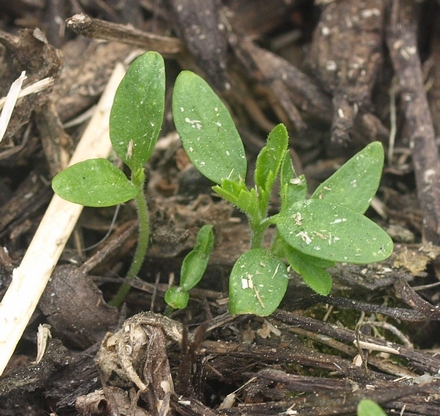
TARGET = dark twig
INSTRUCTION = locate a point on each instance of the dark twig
(401, 38)
(100, 29)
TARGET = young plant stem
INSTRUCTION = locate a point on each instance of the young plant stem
(258, 224)
(258, 228)
(141, 248)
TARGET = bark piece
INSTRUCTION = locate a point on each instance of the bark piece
(36, 376)
(57, 144)
(258, 17)
(87, 69)
(28, 51)
(24, 202)
(402, 43)
(298, 94)
(198, 23)
(345, 56)
(75, 309)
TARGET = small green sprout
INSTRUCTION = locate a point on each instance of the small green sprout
(311, 234)
(369, 408)
(192, 270)
(135, 122)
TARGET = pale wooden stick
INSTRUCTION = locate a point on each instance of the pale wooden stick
(30, 278)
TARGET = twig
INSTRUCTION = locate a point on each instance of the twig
(100, 29)
(402, 43)
(30, 278)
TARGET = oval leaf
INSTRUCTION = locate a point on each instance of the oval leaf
(195, 263)
(257, 284)
(355, 183)
(137, 112)
(333, 232)
(94, 183)
(177, 298)
(207, 130)
(316, 277)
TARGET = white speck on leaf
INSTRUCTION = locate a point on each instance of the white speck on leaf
(322, 236)
(304, 236)
(338, 221)
(188, 120)
(297, 218)
(296, 181)
(276, 271)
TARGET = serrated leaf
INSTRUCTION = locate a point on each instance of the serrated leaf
(257, 284)
(137, 113)
(94, 183)
(196, 261)
(248, 202)
(334, 232)
(207, 131)
(355, 183)
(237, 194)
(270, 158)
(308, 267)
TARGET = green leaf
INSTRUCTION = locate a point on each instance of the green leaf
(195, 263)
(237, 194)
(257, 284)
(312, 273)
(270, 158)
(94, 183)
(177, 298)
(369, 408)
(355, 183)
(207, 130)
(292, 188)
(334, 232)
(137, 113)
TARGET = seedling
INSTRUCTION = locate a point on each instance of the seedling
(135, 122)
(192, 270)
(311, 234)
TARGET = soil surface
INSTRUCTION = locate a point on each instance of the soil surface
(339, 74)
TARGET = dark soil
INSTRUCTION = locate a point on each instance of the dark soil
(339, 74)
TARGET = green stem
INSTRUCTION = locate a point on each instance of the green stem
(258, 228)
(142, 245)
